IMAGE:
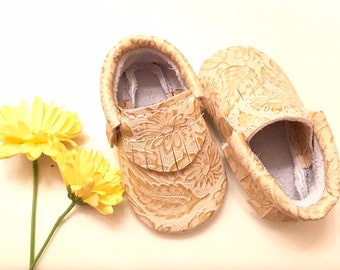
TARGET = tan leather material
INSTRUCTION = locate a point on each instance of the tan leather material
(260, 186)
(266, 196)
(109, 68)
(249, 89)
(176, 201)
(165, 137)
(173, 174)
(112, 133)
(298, 131)
(245, 91)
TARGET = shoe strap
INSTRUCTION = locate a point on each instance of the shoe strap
(164, 137)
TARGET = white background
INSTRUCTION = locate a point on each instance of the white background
(55, 49)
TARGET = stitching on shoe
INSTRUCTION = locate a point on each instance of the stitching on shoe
(133, 140)
(131, 117)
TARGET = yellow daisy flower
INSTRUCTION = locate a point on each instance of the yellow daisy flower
(89, 179)
(41, 130)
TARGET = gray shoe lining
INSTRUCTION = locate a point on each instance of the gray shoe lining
(146, 77)
(273, 147)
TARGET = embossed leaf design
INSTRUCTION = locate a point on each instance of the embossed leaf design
(168, 201)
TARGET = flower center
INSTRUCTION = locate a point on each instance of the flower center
(206, 169)
(38, 138)
(167, 130)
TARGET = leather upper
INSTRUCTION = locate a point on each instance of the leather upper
(164, 137)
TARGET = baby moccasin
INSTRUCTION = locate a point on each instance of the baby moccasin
(173, 174)
(283, 154)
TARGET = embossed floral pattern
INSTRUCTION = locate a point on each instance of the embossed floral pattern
(165, 139)
(243, 90)
(192, 180)
(171, 168)
(254, 84)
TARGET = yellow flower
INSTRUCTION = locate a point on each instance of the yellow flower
(89, 179)
(40, 131)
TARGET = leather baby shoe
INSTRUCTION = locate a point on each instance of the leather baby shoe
(171, 168)
(283, 154)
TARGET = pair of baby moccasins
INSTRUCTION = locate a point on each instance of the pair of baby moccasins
(283, 154)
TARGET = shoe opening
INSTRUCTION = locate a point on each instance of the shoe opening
(146, 77)
(292, 155)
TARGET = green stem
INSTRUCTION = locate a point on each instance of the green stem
(55, 227)
(34, 209)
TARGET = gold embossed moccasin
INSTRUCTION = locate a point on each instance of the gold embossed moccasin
(283, 154)
(174, 177)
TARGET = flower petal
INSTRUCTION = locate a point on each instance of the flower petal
(87, 175)
(40, 131)
(31, 150)
(7, 150)
(37, 114)
(104, 209)
(92, 199)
